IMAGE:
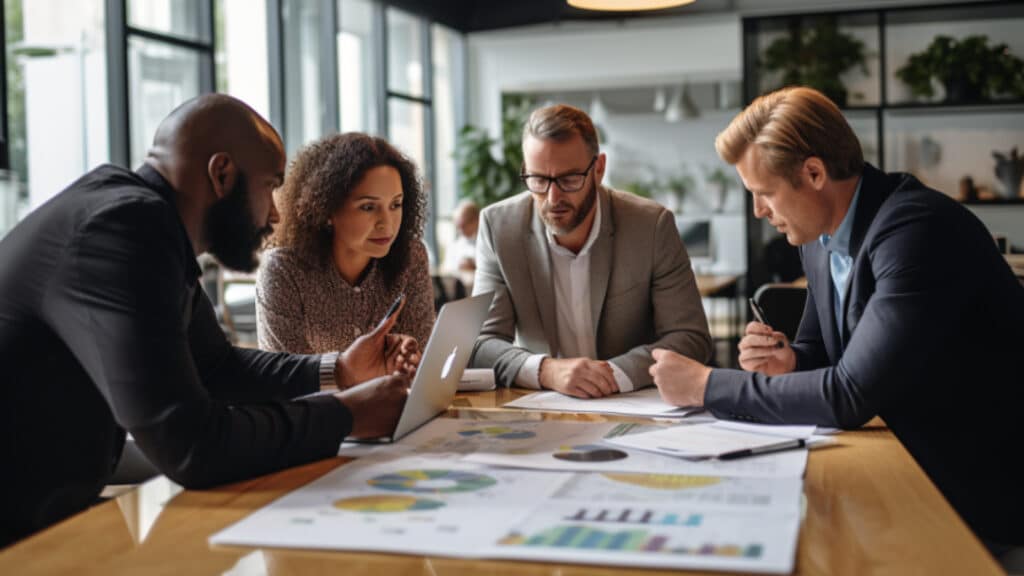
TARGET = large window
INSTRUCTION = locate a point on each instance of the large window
(169, 56)
(242, 54)
(56, 122)
(89, 81)
(448, 55)
(408, 99)
(357, 66)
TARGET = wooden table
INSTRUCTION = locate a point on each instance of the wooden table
(870, 509)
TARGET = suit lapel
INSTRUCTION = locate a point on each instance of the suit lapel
(874, 189)
(539, 261)
(601, 258)
(820, 280)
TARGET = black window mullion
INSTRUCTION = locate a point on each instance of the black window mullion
(275, 72)
(5, 148)
(117, 82)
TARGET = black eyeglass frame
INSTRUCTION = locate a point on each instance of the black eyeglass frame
(524, 177)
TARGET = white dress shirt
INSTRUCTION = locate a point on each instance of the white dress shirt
(570, 274)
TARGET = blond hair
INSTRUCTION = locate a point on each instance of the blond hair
(561, 122)
(789, 126)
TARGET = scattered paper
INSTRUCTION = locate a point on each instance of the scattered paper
(646, 402)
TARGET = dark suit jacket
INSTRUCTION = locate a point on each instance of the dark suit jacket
(932, 342)
(103, 329)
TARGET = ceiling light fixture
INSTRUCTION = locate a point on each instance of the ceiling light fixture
(627, 5)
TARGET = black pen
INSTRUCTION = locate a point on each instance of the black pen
(392, 309)
(778, 447)
(760, 317)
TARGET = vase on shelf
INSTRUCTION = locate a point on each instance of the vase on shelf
(1009, 172)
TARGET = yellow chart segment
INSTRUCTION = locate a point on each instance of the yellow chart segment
(664, 481)
(386, 504)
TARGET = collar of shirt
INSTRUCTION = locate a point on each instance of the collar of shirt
(161, 186)
(840, 241)
(595, 228)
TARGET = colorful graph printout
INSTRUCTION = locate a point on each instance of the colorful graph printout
(386, 504)
(500, 432)
(432, 481)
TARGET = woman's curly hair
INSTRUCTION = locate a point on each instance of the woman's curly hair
(320, 180)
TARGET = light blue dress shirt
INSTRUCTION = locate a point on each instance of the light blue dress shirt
(840, 260)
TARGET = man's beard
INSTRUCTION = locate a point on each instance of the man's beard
(234, 237)
(579, 215)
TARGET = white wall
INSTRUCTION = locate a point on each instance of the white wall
(632, 52)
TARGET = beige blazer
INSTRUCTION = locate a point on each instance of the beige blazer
(643, 292)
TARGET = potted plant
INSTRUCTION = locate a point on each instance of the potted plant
(680, 185)
(720, 183)
(969, 69)
(484, 178)
(816, 57)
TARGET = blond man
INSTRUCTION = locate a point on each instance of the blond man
(911, 312)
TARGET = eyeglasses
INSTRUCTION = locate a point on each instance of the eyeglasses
(566, 182)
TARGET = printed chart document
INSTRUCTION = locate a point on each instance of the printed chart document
(581, 446)
(436, 505)
(712, 439)
(646, 402)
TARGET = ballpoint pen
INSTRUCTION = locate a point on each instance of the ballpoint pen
(760, 317)
(777, 447)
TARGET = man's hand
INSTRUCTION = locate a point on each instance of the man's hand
(375, 405)
(403, 354)
(680, 380)
(765, 350)
(579, 377)
(377, 353)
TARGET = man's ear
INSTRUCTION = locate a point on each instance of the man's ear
(599, 167)
(815, 172)
(222, 172)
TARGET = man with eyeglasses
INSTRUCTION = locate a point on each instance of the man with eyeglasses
(586, 279)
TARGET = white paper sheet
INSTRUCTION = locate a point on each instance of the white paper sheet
(580, 446)
(646, 402)
(713, 439)
(437, 505)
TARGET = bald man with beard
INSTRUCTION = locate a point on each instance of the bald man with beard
(104, 330)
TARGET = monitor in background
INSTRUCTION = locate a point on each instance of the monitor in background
(696, 235)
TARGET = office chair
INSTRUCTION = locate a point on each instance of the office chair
(783, 304)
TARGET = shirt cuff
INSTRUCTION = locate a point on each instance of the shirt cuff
(529, 373)
(621, 380)
(328, 362)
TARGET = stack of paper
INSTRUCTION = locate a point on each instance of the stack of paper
(721, 439)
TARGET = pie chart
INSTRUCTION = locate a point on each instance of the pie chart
(432, 481)
(385, 504)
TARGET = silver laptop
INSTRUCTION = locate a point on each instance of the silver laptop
(441, 364)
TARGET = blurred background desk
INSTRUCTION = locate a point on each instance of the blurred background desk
(727, 328)
(869, 509)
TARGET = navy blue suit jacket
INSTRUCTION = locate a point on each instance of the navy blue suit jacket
(932, 343)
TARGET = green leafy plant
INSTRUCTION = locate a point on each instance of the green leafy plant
(484, 177)
(720, 183)
(969, 69)
(643, 189)
(680, 185)
(816, 57)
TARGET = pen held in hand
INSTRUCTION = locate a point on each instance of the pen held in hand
(760, 316)
(394, 308)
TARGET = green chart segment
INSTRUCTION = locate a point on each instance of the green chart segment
(432, 481)
(586, 538)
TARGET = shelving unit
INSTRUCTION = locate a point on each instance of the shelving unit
(940, 142)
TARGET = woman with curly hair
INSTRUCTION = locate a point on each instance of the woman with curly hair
(349, 242)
